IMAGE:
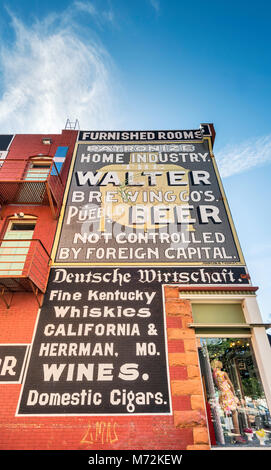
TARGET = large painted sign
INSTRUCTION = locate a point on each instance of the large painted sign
(99, 346)
(137, 215)
(100, 342)
(145, 203)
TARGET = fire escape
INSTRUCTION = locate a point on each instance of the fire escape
(31, 181)
(25, 262)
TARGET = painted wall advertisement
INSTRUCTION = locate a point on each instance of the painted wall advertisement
(146, 203)
(99, 346)
(136, 216)
(12, 362)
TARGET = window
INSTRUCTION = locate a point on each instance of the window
(46, 141)
(38, 170)
(22, 227)
(236, 406)
(15, 246)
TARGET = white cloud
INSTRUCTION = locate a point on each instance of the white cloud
(86, 7)
(239, 158)
(156, 5)
(54, 71)
(100, 16)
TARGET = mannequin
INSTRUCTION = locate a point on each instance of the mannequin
(228, 401)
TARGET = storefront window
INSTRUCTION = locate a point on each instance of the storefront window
(236, 406)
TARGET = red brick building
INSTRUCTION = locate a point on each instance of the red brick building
(32, 186)
(211, 340)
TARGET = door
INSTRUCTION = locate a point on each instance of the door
(15, 246)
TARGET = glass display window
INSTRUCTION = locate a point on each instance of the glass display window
(236, 406)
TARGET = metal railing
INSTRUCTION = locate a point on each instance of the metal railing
(22, 183)
(22, 260)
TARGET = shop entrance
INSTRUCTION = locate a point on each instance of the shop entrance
(236, 406)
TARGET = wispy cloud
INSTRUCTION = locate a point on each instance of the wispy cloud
(156, 5)
(240, 158)
(100, 16)
(87, 7)
(53, 71)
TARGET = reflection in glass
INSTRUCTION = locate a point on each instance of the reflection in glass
(236, 406)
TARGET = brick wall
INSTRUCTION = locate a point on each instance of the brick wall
(185, 429)
(186, 386)
(27, 145)
(45, 227)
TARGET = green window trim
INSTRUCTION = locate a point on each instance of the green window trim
(222, 331)
(218, 314)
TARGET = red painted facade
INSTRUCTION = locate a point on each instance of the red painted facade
(22, 148)
(17, 322)
(27, 145)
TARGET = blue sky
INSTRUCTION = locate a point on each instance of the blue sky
(153, 64)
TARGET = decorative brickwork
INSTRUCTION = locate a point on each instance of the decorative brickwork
(186, 387)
